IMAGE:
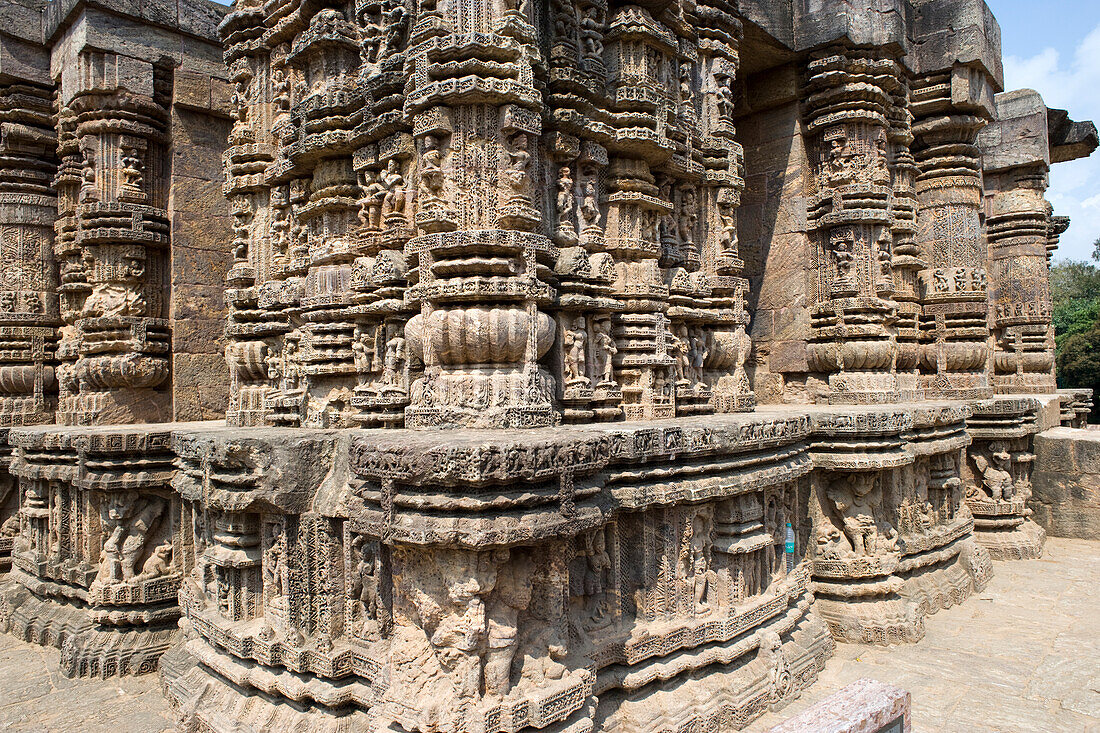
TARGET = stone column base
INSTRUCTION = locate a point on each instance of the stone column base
(1024, 541)
(892, 609)
(88, 649)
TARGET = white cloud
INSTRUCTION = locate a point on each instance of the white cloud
(1072, 84)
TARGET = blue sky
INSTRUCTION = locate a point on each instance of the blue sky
(1053, 47)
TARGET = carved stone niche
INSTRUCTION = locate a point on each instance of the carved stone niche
(997, 477)
(856, 541)
(101, 536)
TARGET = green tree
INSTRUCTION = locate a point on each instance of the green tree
(1075, 296)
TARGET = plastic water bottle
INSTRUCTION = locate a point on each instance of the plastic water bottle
(789, 548)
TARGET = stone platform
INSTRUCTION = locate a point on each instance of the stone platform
(1018, 657)
(1066, 498)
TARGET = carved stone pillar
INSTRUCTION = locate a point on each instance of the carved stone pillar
(1017, 150)
(950, 108)
(849, 94)
(117, 328)
(29, 315)
(482, 264)
(28, 291)
(1019, 284)
(260, 249)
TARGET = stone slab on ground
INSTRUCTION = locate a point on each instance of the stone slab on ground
(1066, 482)
(1021, 656)
(865, 706)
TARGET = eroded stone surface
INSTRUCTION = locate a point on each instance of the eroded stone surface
(1066, 495)
(506, 282)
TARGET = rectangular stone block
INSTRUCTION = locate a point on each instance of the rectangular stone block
(1066, 482)
(865, 706)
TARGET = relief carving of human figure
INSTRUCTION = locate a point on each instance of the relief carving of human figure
(367, 588)
(857, 502)
(727, 235)
(689, 216)
(131, 183)
(88, 190)
(843, 246)
(680, 347)
(374, 194)
(393, 194)
(590, 204)
(393, 366)
(128, 519)
(699, 562)
(397, 20)
(596, 576)
(723, 98)
(511, 596)
(699, 353)
(574, 342)
(519, 158)
(605, 351)
(431, 171)
(592, 33)
(838, 167)
(566, 201)
(885, 256)
(274, 565)
(361, 353)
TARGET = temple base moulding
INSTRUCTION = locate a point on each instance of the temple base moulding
(88, 649)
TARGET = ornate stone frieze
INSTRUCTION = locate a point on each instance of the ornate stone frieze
(894, 538)
(96, 564)
(420, 590)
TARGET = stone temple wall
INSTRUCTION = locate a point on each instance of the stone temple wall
(591, 366)
(114, 248)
